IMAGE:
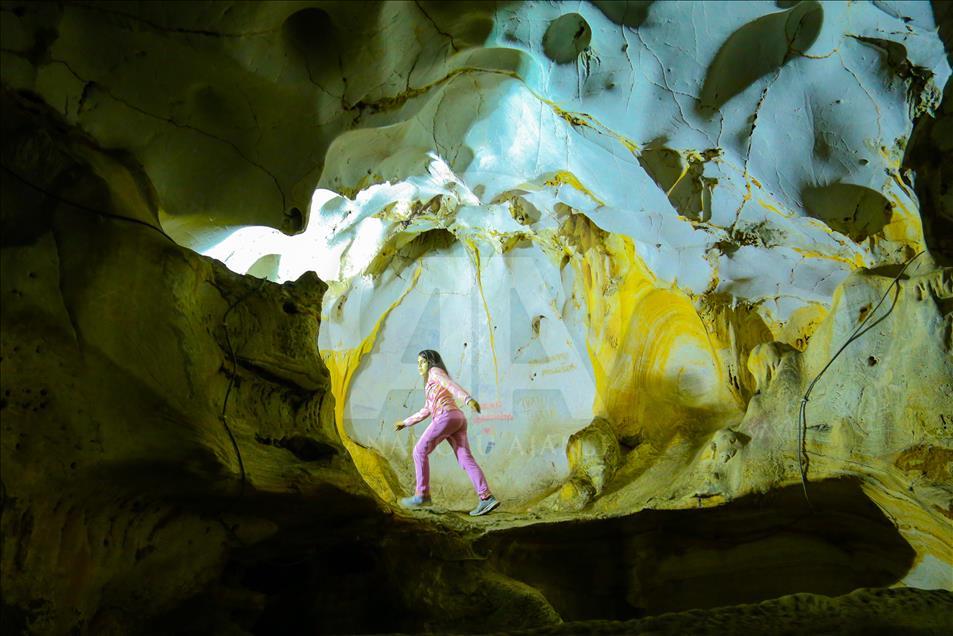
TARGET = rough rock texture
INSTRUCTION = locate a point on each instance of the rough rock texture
(594, 457)
(881, 414)
(862, 612)
(637, 232)
(590, 218)
(119, 348)
(927, 157)
(168, 432)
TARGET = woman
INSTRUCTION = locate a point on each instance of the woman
(449, 424)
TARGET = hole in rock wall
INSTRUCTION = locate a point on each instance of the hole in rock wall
(681, 178)
(630, 13)
(521, 210)
(852, 210)
(303, 448)
(567, 37)
(756, 548)
(759, 47)
(313, 41)
(294, 221)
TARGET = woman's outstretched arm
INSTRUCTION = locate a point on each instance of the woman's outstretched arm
(420, 415)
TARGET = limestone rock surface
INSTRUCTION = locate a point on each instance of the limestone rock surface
(605, 226)
(640, 233)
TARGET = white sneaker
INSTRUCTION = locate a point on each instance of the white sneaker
(485, 506)
(417, 501)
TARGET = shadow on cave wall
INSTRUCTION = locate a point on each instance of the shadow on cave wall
(756, 548)
(930, 156)
(758, 48)
(324, 572)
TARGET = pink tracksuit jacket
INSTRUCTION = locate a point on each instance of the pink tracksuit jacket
(440, 391)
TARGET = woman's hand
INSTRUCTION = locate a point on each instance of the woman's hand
(474, 405)
(399, 425)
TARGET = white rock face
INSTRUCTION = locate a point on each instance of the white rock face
(562, 210)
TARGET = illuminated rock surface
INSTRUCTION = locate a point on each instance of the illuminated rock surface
(636, 232)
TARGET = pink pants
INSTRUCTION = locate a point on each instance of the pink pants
(450, 426)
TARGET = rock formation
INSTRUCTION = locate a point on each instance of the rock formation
(692, 258)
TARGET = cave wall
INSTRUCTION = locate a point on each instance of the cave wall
(116, 364)
(636, 231)
(170, 459)
(591, 220)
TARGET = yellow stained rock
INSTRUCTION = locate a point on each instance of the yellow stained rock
(656, 367)
(342, 365)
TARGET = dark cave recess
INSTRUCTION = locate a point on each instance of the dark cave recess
(752, 549)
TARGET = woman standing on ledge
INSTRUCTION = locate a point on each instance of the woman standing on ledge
(449, 424)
